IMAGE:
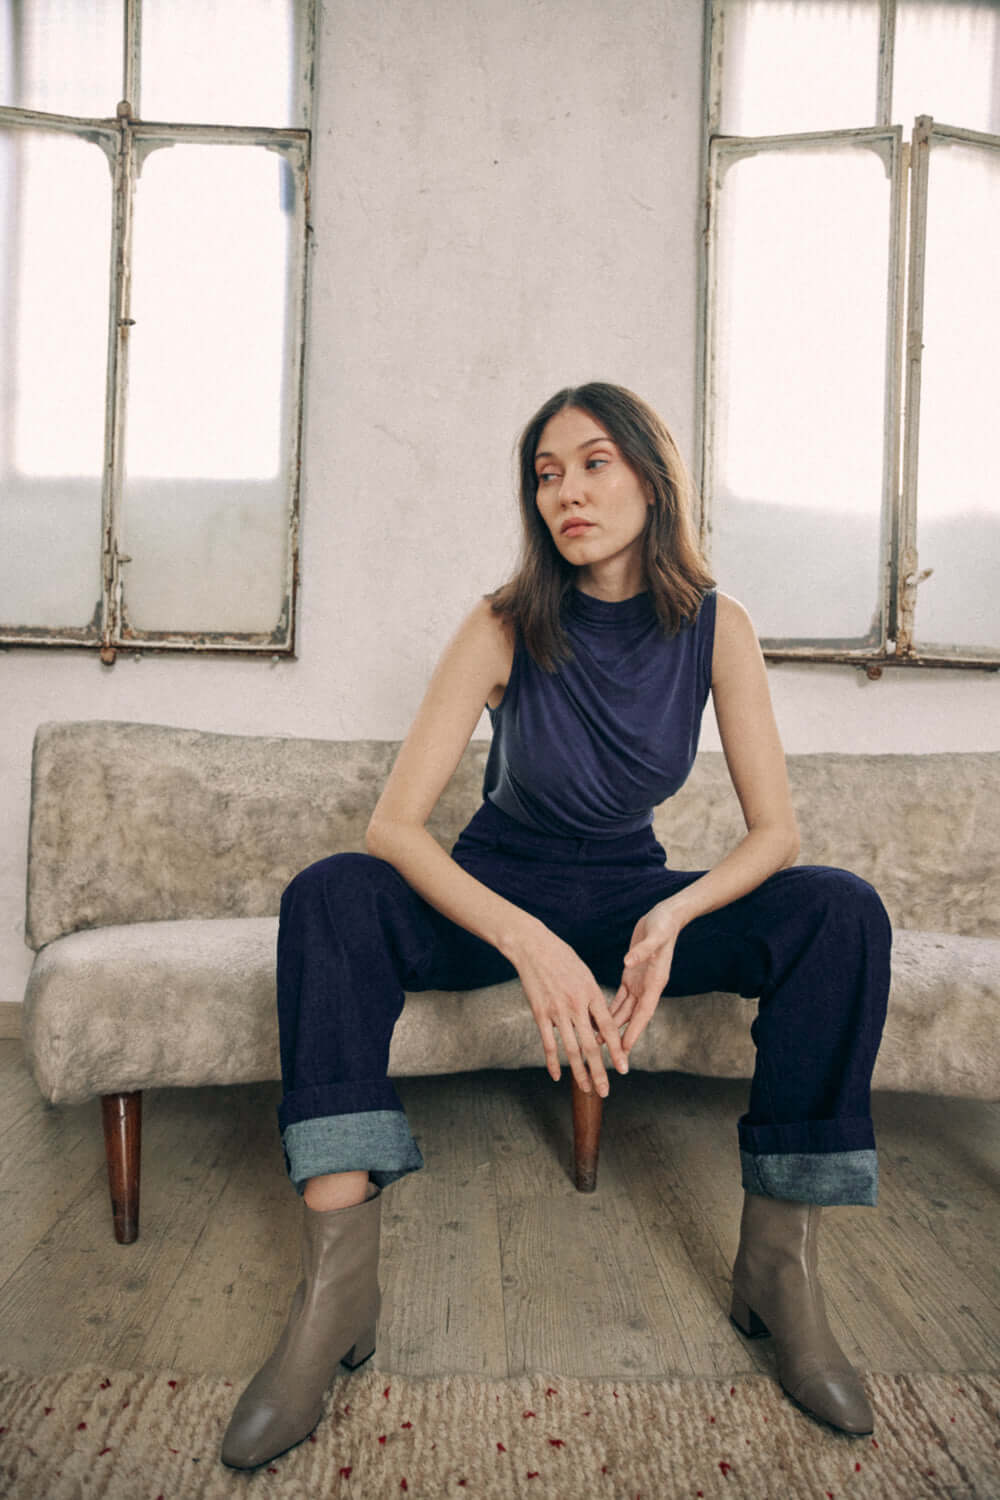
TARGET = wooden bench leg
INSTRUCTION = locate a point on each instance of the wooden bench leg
(122, 1116)
(587, 1110)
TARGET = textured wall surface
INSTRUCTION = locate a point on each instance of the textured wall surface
(140, 822)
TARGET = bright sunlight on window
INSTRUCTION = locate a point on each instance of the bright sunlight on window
(851, 474)
(148, 452)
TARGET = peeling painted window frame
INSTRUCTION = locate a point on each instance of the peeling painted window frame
(892, 642)
(125, 139)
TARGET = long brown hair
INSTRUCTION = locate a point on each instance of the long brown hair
(674, 570)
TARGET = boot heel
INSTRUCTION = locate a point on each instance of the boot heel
(363, 1349)
(747, 1320)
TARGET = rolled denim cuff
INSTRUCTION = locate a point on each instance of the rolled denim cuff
(376, 1141)
(821, 1177)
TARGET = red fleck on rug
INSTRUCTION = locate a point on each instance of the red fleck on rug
(98, 1433)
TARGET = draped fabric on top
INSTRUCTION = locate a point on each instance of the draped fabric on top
(589, 750)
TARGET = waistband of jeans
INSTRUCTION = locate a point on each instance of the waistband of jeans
(492, 821)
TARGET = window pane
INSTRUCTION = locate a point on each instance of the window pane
(218, 62)
(61, 57)
(55, 242)
(947, 64)
(958, 504)
(794, 65)
(803, 240)
(209, 422)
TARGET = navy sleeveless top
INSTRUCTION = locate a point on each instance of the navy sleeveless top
(589, 750)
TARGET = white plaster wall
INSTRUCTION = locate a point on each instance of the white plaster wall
(505, 201)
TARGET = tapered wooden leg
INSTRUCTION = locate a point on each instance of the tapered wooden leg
(122, 1115)
(587, 1110)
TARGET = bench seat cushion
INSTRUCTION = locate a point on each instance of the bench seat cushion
(161, 1004)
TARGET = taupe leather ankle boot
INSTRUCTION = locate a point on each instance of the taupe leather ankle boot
(776, 1290)
(332, 1318)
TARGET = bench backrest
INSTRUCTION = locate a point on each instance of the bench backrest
(143, 822)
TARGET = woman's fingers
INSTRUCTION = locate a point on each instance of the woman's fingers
(583, 1036)
(565, 998)
(607, 1028)
(640, 952)
(637, 1025)
(645, 974)
(571, 1003)
(645, 999)
(590, 1044)
(549, 1047)
(621, 1012)
(643, 1005)
(547, 1028)
(588, 1075)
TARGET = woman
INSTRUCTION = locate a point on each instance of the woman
(595, 662)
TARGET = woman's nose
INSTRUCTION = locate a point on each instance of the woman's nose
(570, 490)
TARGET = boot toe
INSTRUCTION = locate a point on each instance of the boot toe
(258, 1434)
(838, 1399)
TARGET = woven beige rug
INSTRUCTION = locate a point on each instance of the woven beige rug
(107, 1433)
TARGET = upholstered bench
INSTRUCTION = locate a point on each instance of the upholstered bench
(158, 855)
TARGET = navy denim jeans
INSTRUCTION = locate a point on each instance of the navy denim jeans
(811, 943)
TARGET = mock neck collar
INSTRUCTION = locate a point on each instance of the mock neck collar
(610, 611)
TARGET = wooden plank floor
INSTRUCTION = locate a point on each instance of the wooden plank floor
(491, 1261)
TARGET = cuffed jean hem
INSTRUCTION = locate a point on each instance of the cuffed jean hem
(376, 1141)
(825, 1177)
(806, 1137)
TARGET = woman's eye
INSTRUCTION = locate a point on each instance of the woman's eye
(546, 476)
(594, 463)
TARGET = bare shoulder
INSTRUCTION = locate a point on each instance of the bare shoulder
(488, 632)
(473, 669)
(730, 615)
(481, 651)
(483, 620)
(735, 637)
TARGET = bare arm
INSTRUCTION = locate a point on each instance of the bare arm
(757, 766)
(474, 667)
(561, 990)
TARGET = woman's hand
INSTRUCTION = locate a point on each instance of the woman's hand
(564, 996)
(646, 971)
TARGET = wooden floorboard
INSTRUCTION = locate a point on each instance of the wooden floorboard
(10, 1019)
(581, 1292)
(48, 1158)
(232, 1295)
(443, 1300)
(691, 1221)
(491, 1261)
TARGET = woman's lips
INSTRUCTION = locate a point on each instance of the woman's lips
(576, 528)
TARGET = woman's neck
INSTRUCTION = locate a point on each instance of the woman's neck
(613, 580)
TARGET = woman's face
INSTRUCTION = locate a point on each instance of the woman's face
(592, 501)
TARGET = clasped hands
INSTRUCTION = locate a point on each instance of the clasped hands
(564, 996)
